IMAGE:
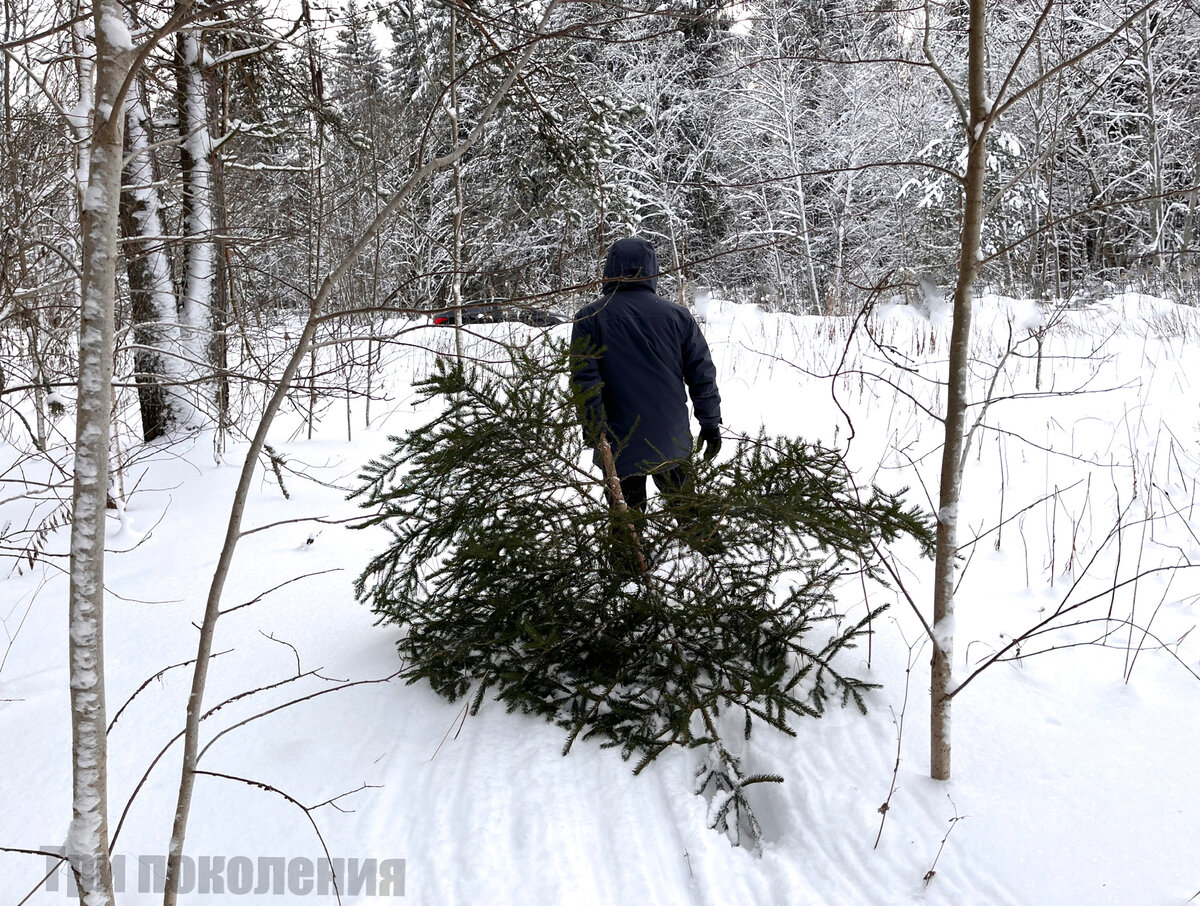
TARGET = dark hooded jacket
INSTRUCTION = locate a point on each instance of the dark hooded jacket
(641, 351)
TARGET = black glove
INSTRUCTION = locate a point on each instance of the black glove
(594, 426)
(710, 436)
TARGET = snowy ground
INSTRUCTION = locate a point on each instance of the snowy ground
(1074, 767)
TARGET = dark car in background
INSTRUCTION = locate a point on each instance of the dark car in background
(471, 314)
(496, 314)
(535, 316)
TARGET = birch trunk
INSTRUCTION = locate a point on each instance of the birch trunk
(160, 370)
(956, 400)
(222, 303)
(87, 839)
(1152, 138)
(196, 169)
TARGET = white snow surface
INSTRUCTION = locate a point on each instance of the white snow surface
(1075, 778)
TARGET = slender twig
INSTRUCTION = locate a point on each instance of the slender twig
(1102, 642)
(257, 598)
(1016, 64)
(334, 800)
(898, 721)
(887, 564)
(32, 852)
(461, 719)
(953, 821)
(262, 785)
(999, 109)
(148, 681)
(290, 647)
(979, 537)
(955, 95)
(294, 701)
(35, 852)
(1059, 612)
(322, 520)
(171, 742)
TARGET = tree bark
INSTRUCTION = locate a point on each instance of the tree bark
(87, 839)
(223, 284)
(159, 369)
(1154, 148)
(195, 151)
(956, 398)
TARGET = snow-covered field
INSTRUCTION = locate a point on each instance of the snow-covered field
(1075, 777)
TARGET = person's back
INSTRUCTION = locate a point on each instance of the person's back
(642, 351)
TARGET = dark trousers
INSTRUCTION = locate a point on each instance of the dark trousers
(668, 482)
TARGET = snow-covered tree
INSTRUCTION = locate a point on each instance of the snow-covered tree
(196, 220)
(87, 840)
(780, 105)
(161, 363)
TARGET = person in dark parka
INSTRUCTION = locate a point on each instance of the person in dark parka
(641, 351)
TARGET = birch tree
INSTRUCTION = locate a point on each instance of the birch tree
(87, 841)
(195, 165)
(160, 368)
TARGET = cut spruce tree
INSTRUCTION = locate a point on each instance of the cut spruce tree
(510, 575)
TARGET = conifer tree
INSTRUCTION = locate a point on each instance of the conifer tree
(508, 572)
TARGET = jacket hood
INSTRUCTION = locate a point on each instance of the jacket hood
(631, 263)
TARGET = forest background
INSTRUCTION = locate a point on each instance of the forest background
(804, 155)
